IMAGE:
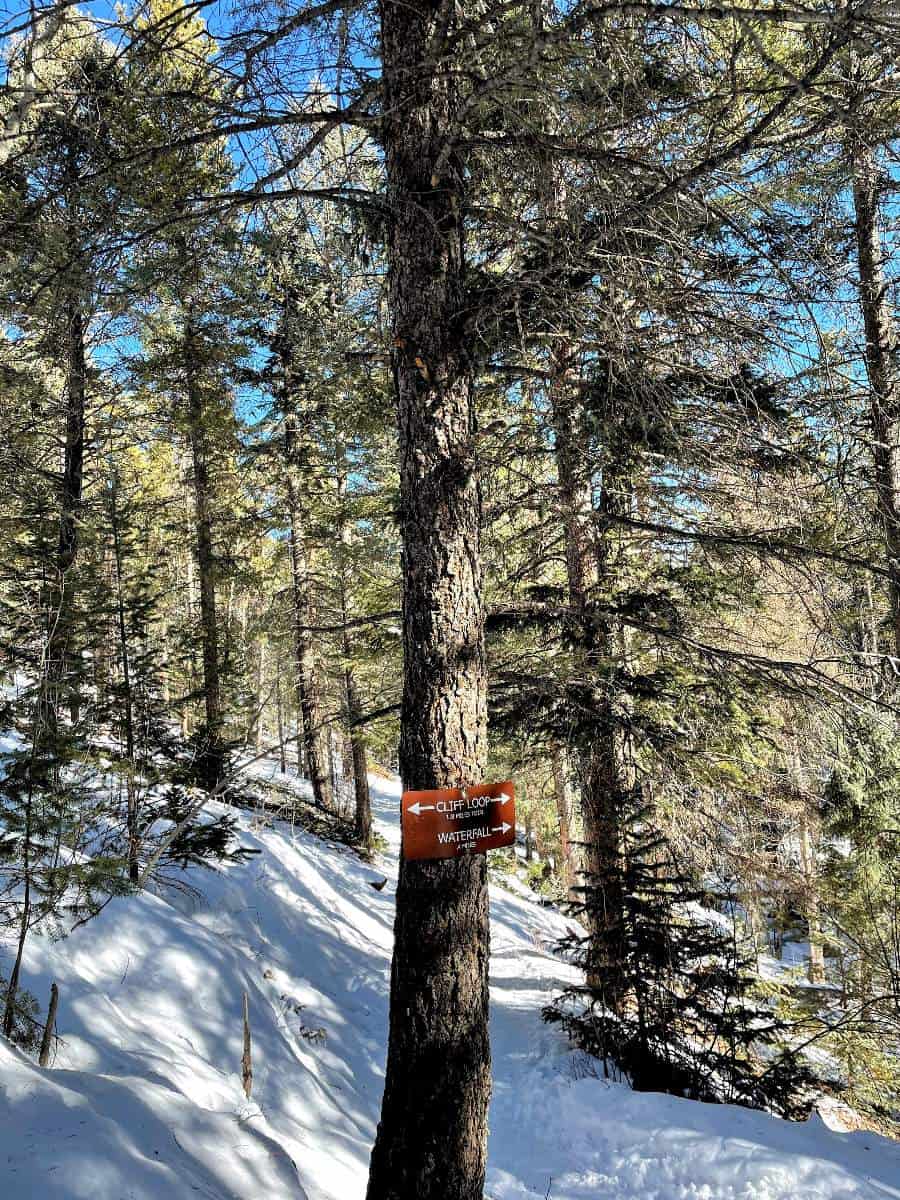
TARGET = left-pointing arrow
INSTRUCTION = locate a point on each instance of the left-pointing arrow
(418, 807)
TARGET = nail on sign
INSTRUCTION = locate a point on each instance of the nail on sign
(447, 822)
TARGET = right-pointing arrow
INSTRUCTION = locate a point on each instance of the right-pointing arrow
(500, 828)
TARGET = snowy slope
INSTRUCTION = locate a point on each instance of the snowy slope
(145, 1102)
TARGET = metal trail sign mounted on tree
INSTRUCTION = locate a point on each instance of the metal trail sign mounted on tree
(447, 822)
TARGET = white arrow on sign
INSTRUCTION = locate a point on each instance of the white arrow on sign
(500, 828)
(503, 798)
(418, 807)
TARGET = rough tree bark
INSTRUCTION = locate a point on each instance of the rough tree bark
(188, 592)
(312, 746)
(600, 762)
(564, 816)
(363, 802)
(211, 755)
(431, 1140)
(601, 766)
(12, 991)
(310, 749)
(282, 760)
(809, 866)
(247, 1055)
(882, 365)
(47, 1038)
(363, 805)
(60, 648)
(132, 820)
(74, 460)
(260, 699)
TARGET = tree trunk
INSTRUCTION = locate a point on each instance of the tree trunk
(362, 805)
(12, 991)
(881, 363)
(60, 650)
(190, 587)
(601, 770)
(211, 755)
(282, 761)
(569, 865)
(431, 1140)
(312, 746)
(105, 636)
(47, 1039)
(247, 1055)
(811, 904)
(600, 760)
(127, 698)
(260, 704)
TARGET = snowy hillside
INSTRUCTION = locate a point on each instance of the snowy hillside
(144, 1101)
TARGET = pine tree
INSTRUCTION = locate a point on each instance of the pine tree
(694, 1026)
(192, 345)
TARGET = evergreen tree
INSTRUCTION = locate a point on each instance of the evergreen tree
(694, 1025)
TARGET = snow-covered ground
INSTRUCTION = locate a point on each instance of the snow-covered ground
(144, 1100)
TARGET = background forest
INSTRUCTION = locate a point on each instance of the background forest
(671, 233)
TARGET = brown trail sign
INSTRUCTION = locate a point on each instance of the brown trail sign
(445, 822)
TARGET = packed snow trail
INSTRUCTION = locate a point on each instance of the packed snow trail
(144, 1101)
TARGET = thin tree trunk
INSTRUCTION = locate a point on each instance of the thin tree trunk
(312, 747)
(105, 637)
(600, 760)
(432, 1137)
(881, 363)
(190, 587)
(47, 1039)
(755, 921)
(127, 699)
(569, 870)
(61, 650)
(211, 763)
(12, 990)
(601, 770)
(36, 777)
(247, 1056)
(260, 693)
(346, 755)
(335, 761)
(363, 805)
(226, 647)
(811, 900)
(282, 760)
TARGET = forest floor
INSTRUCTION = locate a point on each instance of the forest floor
(144, 1098)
